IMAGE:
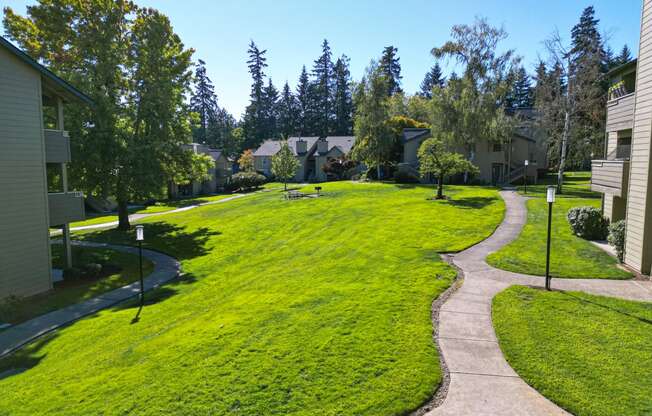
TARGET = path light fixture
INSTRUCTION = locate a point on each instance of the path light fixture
(527, 162)
(318, 189)
(140, 237)
(550, 197)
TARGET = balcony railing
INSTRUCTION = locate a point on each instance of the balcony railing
(610, 176)
(620, 113)
(57, 146)
(65, 207)
(621, 152)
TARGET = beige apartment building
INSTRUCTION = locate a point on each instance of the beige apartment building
(218, 175)
(34, 152)
(623, 175)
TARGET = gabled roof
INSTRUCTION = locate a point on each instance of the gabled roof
(622, 68)
(414, 134)
(270, 147)
(57, 84)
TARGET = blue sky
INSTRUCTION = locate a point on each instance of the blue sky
(292, 32)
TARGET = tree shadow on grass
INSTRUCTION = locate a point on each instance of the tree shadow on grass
(610, 308)
(162, 236)
(25, 358)
(472, 202)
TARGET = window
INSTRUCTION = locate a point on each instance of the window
(497, 147)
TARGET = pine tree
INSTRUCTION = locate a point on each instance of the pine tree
(625, 55)
(303, 102)
(390, 67)
(288, 112)
(432, 79)
(270, 110)
(342, 101)
(203, 102)
(323, 80)
(521, 94)
(220, 132)
(254, 118)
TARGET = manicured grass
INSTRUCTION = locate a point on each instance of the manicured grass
(301, 307)
(571, 256)
(588, 354)
(163, 206)
(124, 270)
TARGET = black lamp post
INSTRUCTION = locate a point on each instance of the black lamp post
(527, 162)
(550, 196)
(318, 189)
(140, 237)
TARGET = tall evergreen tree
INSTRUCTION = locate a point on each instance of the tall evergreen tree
(270, 110)
(433, 78)
(390, 67)
(322, 73)
(288, 112)
(342, 101)
(303, 101)
(203, 101)
(521, 93)
(254, 118)
(220, 132)
(625, 55)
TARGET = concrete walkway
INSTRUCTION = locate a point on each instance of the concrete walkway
(481, 381)
(166, 268)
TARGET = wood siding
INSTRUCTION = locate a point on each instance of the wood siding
(609, 176)
(57, 146)
(638, 239)
(24, 240)
(620, 113)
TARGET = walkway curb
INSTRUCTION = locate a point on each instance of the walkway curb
(166, 268)
(481, 380)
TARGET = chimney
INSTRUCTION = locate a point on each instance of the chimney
(301, 146)
(322, 146)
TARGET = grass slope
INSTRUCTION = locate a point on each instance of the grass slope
(67, 293)
(311, 306)
(589, 354)
(570, 256)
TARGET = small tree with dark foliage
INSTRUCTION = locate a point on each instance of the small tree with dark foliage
(338, 167)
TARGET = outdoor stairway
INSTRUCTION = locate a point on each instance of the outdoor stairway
(515, 175)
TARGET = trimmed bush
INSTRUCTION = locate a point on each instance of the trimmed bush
(92, 270)
(617, 238)
(588, 223)
(247, 180)
(404, 175)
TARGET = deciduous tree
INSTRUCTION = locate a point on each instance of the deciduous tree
(285, 164)
(435, 159)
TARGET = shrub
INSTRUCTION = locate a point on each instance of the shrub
(99, 258)
(92, 270)
(588, 223)
(617, 238)
(337, 168)
(247, 180)
(72, 273)
(405, 176)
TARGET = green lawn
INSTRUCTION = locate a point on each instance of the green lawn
(67, 293)
(163, 206)
(302, 307)
(571, 256)
(589, 354)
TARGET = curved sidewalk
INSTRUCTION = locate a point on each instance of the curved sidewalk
(166, 268)
(481, 380)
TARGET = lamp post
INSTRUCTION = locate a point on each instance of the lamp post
(550, 197)
(527, 162)
(140, 237)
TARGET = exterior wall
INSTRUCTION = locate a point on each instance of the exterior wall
(263, 164)
(639, 210)
(222, 171)
(485, 158)
(410, 150)
(24, 240)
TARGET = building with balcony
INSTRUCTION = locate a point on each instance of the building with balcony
(34, 153)
(623, 174)
(219, 174)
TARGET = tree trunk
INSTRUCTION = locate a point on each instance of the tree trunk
(378, 171)
(440, 187)
(123, 209)
(562, 156)
(285, 184)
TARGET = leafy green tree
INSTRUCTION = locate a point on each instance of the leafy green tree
(285, 164)
(374, 141)
(415, 107)
(390, 67)
(203, 101)
(342, 100)
(288, 112)
(471, 108)
(246, 161)
(436, 160)
(221, 132)
(322, 73)
(432, 79)
(138, 73)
